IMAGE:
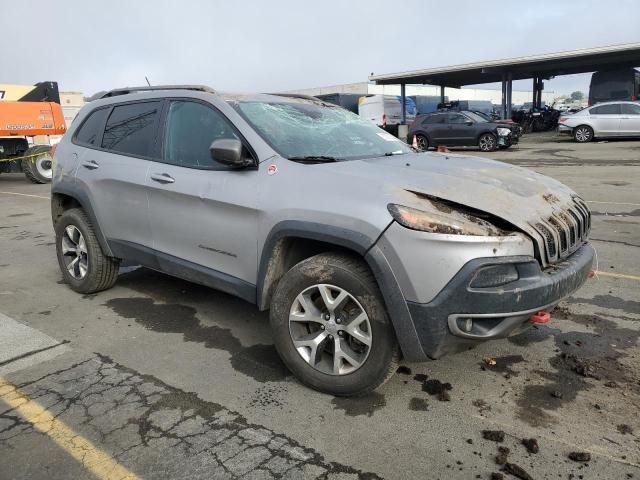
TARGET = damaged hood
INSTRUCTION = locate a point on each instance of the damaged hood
(514, 194)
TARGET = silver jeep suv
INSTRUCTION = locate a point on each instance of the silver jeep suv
(363, 250)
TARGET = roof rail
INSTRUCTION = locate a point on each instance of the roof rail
(127, 90)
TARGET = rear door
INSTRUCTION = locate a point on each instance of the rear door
(630, 121)
(112, 169)
(203, 214)
(606, 119)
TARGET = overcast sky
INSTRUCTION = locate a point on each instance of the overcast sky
(282, 45)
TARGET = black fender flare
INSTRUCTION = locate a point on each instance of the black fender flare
(364, 246)
(80, 194)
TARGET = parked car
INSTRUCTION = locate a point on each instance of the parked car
(362, 250)
(609, 119)
(458, 129)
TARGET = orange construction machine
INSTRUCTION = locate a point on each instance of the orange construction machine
(25, 112)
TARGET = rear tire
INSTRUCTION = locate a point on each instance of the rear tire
(38, 169)
(82, 262)
(487, 142)
(583, 134)
(422, 142)
(306, 292)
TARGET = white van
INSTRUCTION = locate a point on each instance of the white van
(386, 110)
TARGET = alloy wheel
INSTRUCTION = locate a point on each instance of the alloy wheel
(487, 143)
(583, 134)
(330, 330)
(74, 251)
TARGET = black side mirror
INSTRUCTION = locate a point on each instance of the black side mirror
(229, 152)
(468, 123)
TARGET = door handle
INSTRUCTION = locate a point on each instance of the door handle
(90, 164)
(162, 178)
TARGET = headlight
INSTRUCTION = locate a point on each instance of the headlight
(452, 223)
(503, 132)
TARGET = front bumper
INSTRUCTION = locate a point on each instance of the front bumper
(496, 312)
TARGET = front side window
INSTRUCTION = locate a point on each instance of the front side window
(613, 109)
(457, 118)
(306, 129)
(89, 132)
(190, 129)
(130, 128)
(630, 109)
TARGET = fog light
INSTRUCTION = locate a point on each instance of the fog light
(466, 324)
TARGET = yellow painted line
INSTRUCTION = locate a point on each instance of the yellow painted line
(26, 195)
(618, 275)
(99, 463)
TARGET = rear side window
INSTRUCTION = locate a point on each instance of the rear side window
(190, 129)
(433, 119)
(90, 130)
(606, 110)
(130, 128)
(630, 109)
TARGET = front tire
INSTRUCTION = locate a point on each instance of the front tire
(487, 142)
(331, 328)
(583, 134)
(84, 266)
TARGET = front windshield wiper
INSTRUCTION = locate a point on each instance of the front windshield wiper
(397, 152)
(313, 158)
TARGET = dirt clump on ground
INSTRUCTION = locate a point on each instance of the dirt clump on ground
(517, 471)
(580, 456)
(531, 444)
(438, 389)
(493, 435)
(503, 455)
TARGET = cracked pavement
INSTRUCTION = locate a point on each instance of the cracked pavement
(165, 431)
(174, 380)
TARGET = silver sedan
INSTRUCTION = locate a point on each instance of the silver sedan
(609, 119)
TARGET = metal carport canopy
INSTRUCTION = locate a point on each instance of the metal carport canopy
(543, 66)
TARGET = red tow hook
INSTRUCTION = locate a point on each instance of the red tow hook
(540, 318)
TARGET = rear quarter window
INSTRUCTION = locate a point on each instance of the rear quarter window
(91, 128)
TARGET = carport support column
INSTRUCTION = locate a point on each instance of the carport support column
(403, 96)
(503, 113)
(509, 93)
(441, 93)
(403, 130)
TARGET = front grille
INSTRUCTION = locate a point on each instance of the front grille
(564, 231)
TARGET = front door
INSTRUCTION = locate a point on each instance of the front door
(203, 214)
(461, 131)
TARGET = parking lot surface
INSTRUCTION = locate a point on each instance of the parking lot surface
(161, 378)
